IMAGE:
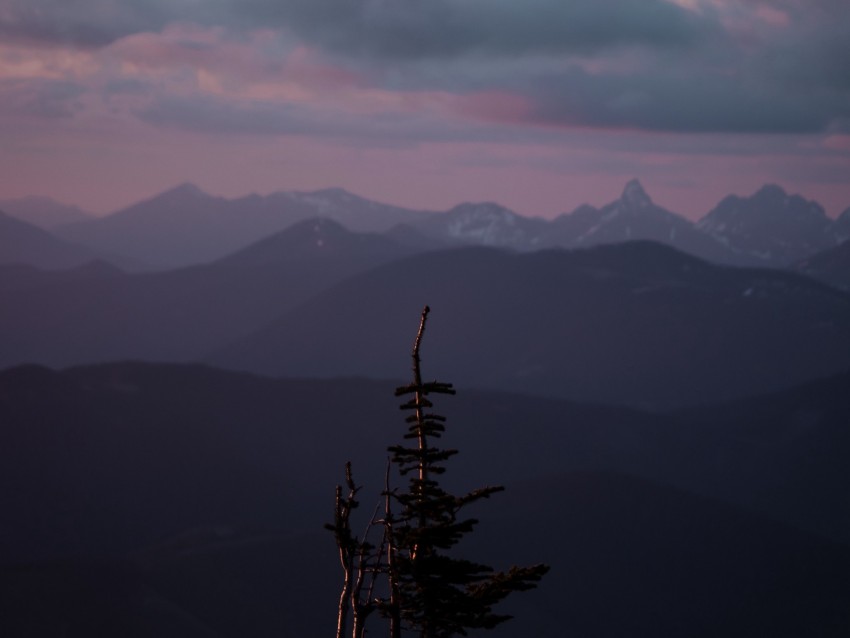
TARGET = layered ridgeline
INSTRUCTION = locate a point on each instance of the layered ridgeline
(185, 226)
(96, 313)
(769, 228)
(832, 266)
(27, 244)
(44, 212)
(636, 323)
(154, 500)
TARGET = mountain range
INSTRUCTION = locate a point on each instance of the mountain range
(666, 402)
(44, 212)
(100, 314)
(185, 226)
(637, 323)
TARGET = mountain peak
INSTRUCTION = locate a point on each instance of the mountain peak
(771, 189)
(770, 192)
(634, 195)
(186, 189)
(483, 209)
(334, 191)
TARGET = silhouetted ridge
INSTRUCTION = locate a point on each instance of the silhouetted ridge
(830, 266)
(657, 327)
(22, 242)
(317, 238)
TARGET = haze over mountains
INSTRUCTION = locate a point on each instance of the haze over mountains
(43, 212)
(178, 315)
(618, 320)
(638, 323)
(23, 243)
(185, 226)
(667, 401)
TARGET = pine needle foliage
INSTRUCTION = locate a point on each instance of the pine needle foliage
(426, 589)
(440, 595)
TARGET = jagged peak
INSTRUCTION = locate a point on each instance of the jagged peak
(333, 193)
(635, 195)
(185, 189)
(770, 191)
(333, 190)
(487, 208)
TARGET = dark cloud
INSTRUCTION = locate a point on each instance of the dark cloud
(696, 72)
(676, 101)
(386, 29)
(393, 30)
(86, 23)
(646, 64)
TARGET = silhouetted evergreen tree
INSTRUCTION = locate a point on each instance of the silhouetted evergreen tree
(426, 588)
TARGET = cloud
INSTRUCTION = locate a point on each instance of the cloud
(391, 30)
(379, 28)
(84, 23)
(672, 100)
(773, 66)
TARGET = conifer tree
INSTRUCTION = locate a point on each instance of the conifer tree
(427, 589)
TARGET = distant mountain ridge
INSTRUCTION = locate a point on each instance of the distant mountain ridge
(185, 225)
(771, 225)
(634, 216)
(769, 228)
(101, 314)
(43, 212)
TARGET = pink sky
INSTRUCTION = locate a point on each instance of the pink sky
(468, 101)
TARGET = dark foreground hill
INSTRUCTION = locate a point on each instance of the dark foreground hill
(153, 500)
(637, 323)
(628, 558)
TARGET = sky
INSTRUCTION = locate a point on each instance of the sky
(540, 105)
